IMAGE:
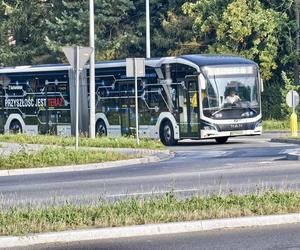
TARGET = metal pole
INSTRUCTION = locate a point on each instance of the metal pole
(293, 105)
(148, 38)
(297, 42)
(77, 97)
(92, 73)
(136, 103)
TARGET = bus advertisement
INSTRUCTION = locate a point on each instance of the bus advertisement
(185, 97)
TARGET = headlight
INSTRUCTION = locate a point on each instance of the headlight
(248, 114)
(209, 128)
(218, 115)
(245, 115)
(259, 124)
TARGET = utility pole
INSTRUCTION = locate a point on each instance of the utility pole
(148, 39)
(136, 102)
(77, 97)
(296, 67)
(92, 73)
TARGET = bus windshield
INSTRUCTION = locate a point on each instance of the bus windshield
(232, 92)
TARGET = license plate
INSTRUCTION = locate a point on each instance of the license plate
(236, 132)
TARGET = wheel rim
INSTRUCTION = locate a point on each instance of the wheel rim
(167, 133)
(15, 128)
(101, 131)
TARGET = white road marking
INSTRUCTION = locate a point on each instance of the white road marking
(287, 151)
(153, 192)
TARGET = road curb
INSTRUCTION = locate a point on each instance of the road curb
(163, 155)
(276, 131)
(148, 230)
(286, 140)
(293, 156)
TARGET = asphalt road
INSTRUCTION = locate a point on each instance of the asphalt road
(275, 237)
(245, 164)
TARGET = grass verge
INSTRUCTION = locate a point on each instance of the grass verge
(58, 157)
(140, 211)
(277, 125)
(100, 142)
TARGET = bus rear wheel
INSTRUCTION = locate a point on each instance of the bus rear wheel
(101, 129)
(167, 134)
(15, 127)
(222, 140)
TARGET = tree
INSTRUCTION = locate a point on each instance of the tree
(239, 27)
(175, 35)
(71, 27)
(23, 31)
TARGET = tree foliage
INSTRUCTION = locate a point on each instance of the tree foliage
(23, 29)
(112, 29)
(239, 27)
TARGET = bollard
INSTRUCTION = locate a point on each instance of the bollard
(294, 125)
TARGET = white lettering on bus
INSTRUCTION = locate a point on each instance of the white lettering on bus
(25, 103)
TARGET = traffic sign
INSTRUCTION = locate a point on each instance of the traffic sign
(292, 99)
(135, 64)
(84, 55)
(77, 57)
(135, 67)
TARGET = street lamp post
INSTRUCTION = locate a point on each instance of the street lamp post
(148, 39)
(92, 73)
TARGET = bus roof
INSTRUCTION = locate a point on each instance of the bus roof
(35, 68)
(206, 60)
(199, 60)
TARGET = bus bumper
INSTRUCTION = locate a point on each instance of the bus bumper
(207, 134)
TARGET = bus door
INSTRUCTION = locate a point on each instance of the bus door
(53, 105)
(189, 108)
(127, 108)
(2, 96)
(51, 118)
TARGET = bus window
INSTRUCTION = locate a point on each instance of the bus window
(2, 94)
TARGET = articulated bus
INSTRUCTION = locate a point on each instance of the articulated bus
(184, 97)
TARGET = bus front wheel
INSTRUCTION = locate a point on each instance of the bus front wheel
(15, 127)
(222, 140)
(167, 134)
(101, 129)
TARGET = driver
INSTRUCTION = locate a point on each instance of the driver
(232, 98)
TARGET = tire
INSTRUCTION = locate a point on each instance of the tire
(101, 129)
(167, 134)
(222, 140)
(15, 127)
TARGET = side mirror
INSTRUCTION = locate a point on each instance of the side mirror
(202, 82)
(262, 85)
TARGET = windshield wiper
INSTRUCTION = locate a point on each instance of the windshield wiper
(220, 110)
(252, 109)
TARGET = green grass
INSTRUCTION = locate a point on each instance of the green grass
(273, 125)
(101, 142)
(141, 211)
(58, 157)
(277, 125)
